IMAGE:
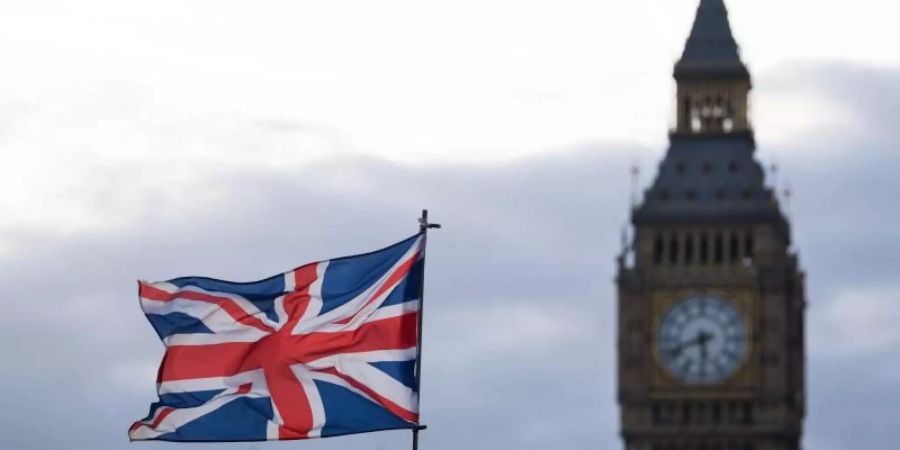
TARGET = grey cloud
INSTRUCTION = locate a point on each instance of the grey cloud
(845, 214)
(520, 315)
(518, 254)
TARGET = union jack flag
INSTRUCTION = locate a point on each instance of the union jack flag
(326, 349)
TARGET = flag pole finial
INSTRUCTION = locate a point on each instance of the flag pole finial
(424, 225)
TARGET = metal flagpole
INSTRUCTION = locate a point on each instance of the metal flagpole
(424, 226)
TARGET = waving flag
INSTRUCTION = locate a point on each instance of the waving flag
(326, 349)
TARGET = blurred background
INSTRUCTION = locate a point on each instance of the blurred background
(236, 140)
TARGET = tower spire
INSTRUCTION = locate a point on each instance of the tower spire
(711, 50)
(713, 82)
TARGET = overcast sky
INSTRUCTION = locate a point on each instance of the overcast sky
(158, 139)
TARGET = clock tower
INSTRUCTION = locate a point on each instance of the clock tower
(710, 293)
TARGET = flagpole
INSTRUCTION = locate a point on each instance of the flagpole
(424, 226)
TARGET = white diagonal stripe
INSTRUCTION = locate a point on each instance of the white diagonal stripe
(213, 317)
(358, 307)
(247, 306)
(182, 416)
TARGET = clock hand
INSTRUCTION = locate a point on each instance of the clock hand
(677, 349)
(703, 338)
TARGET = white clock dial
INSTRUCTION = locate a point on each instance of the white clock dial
(702, 340)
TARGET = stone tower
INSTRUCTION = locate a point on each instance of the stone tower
(710, 294)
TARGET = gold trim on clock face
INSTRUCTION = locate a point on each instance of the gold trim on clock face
(702, 340)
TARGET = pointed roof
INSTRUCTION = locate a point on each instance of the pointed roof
(711, 51)
(707, 181)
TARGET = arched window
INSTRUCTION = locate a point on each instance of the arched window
(748, 246)
(719, 249)
(704, 249)
(747, 416)
(734, 248)
(732, 413)
(673, 249)
(689, 249)
(688, 111)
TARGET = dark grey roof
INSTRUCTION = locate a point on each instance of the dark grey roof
(709, 178)
(711, 50)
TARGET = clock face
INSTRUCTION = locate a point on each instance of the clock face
(702, 340)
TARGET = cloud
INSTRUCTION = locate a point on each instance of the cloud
(520, 322)
(514, 281)
(844, 191)
(804, 102)
(857, 321)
